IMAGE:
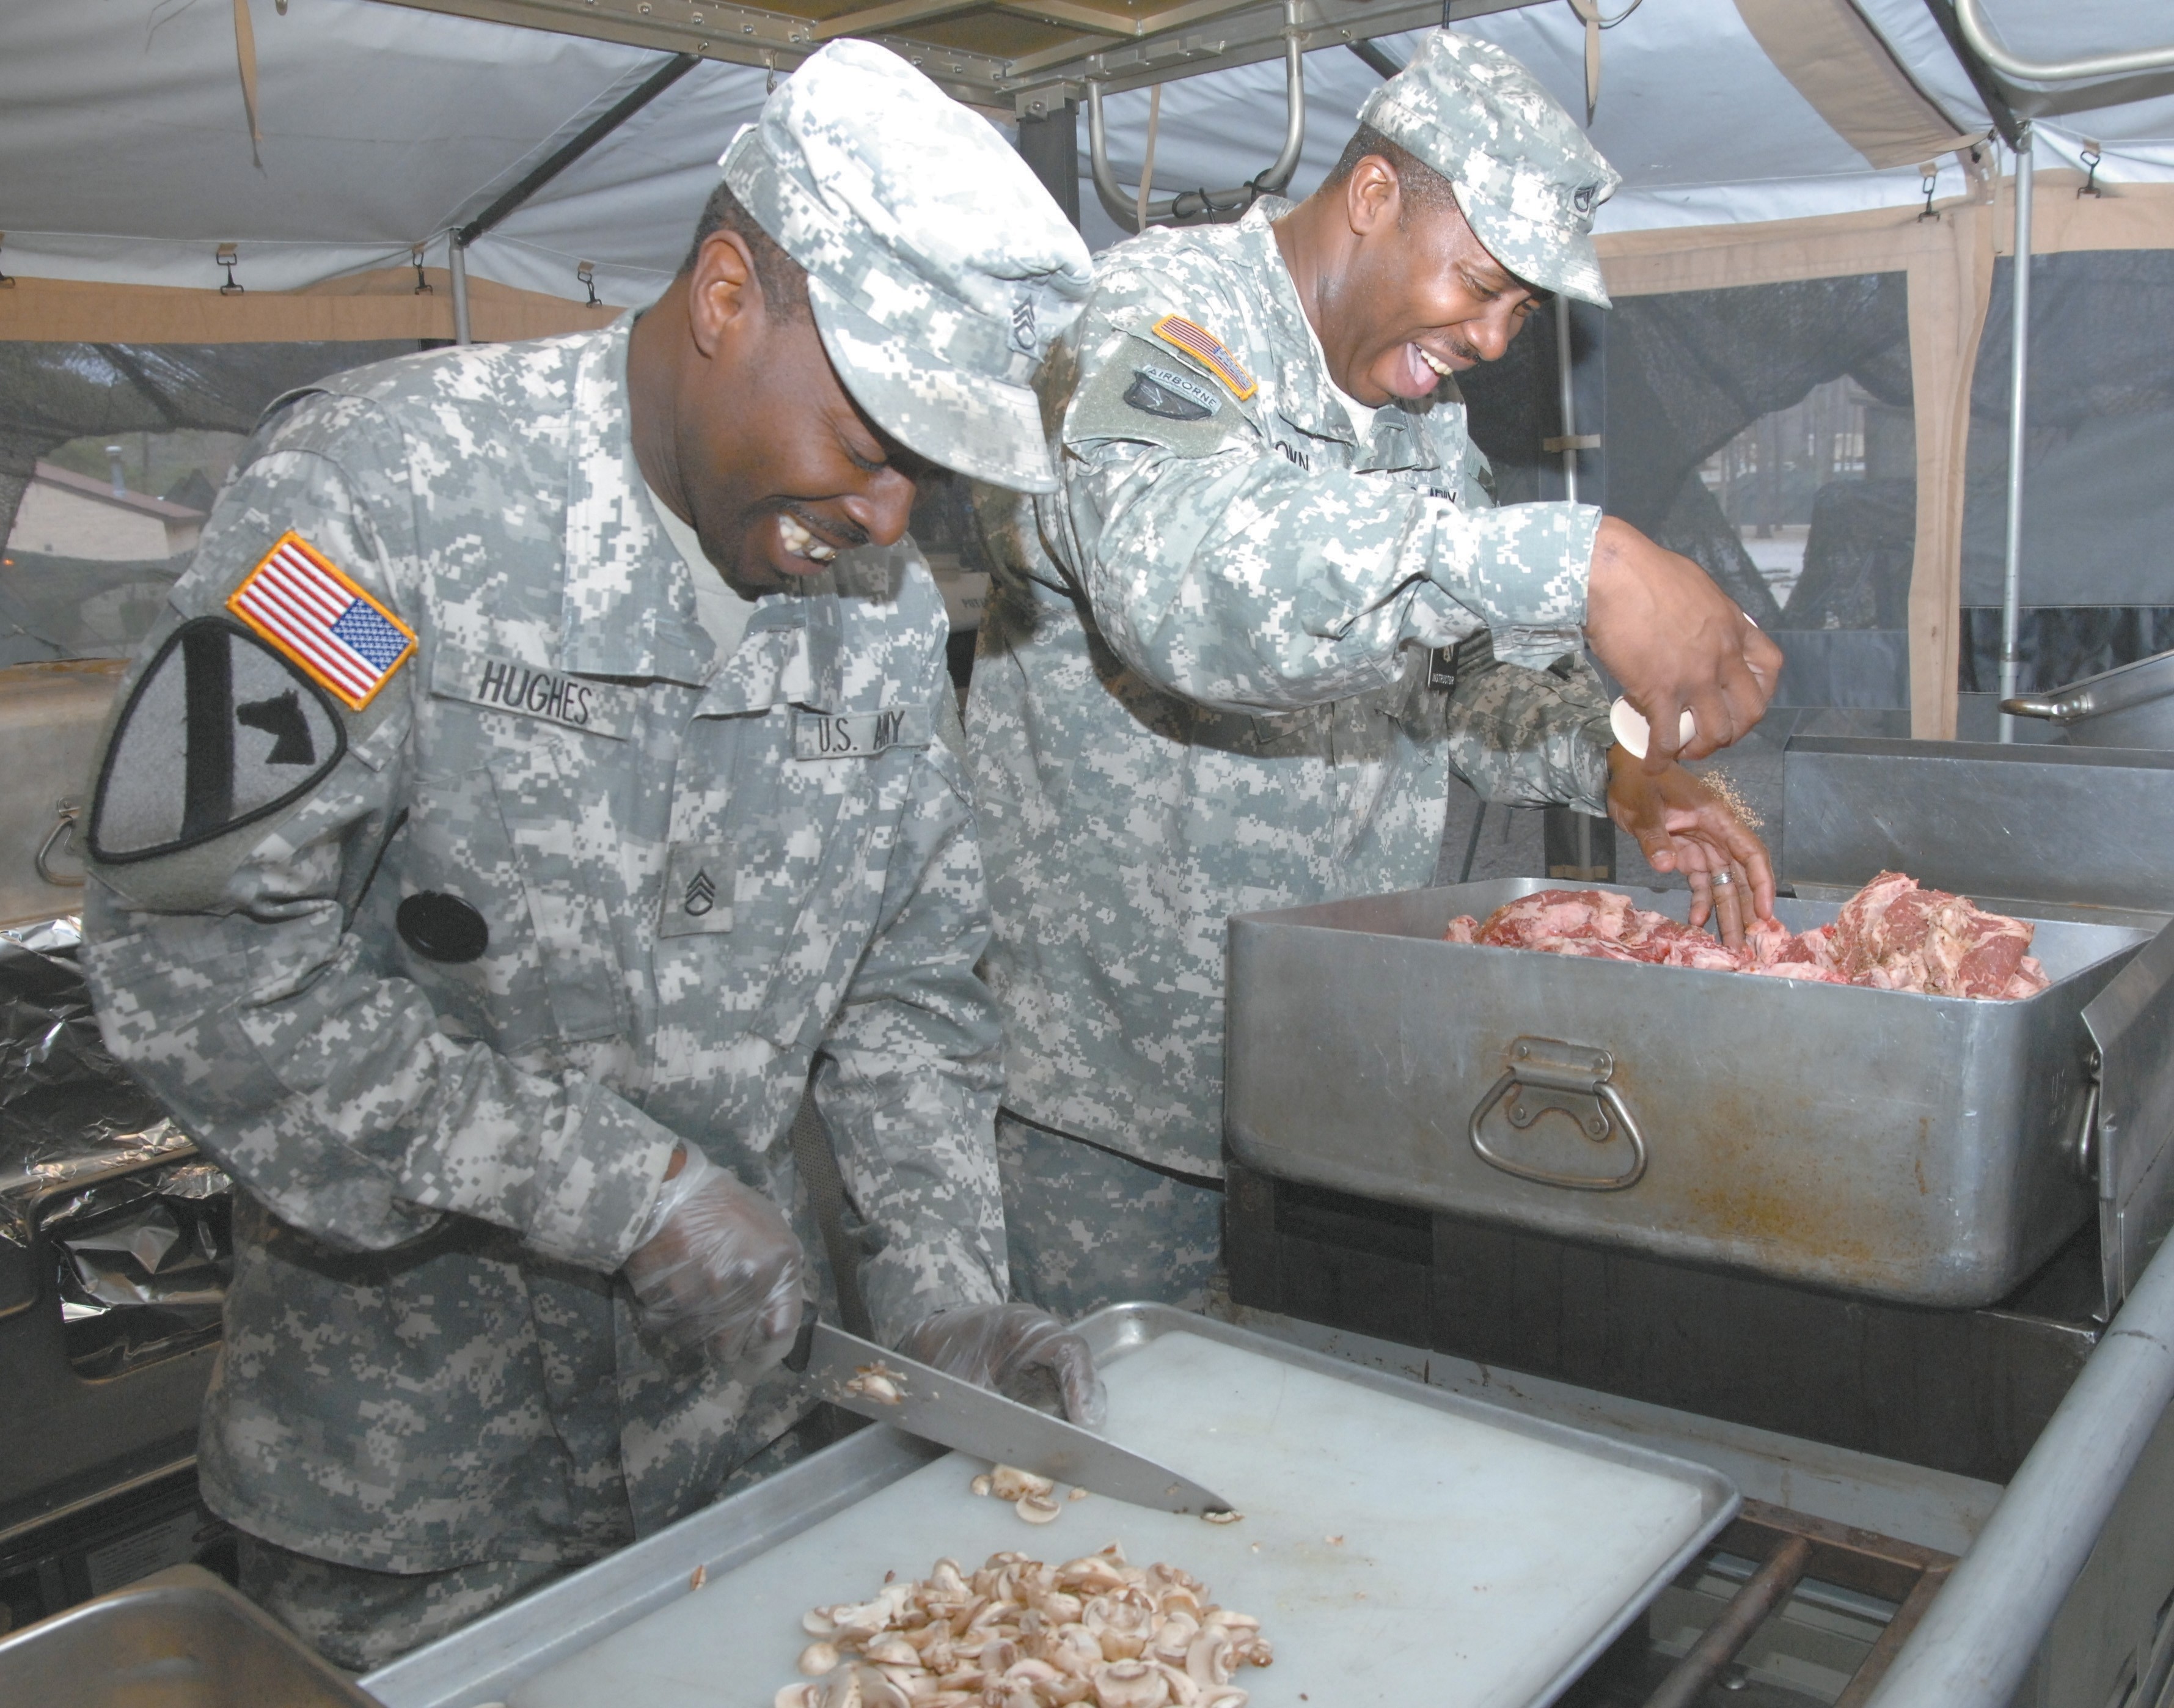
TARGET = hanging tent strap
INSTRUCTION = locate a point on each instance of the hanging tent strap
(245, 53)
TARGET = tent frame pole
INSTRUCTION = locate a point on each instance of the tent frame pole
(457, 261)
(1216, 205)
(2018, 369)
(1566, 382)
(1970, 15)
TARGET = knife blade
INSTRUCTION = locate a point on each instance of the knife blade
(875, 1382)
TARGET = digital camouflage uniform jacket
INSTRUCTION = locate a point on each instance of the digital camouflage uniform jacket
(697, 877)
(1202, 681)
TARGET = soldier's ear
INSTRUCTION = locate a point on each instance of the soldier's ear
(1371, 195)
(723, 295)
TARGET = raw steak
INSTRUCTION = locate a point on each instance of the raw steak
(1890, 936)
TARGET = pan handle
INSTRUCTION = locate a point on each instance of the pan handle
(2061, 708)
(1571, 1079)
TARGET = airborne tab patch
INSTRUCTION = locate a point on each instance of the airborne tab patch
(1209, 351)
(1156, 390)
(343, 640)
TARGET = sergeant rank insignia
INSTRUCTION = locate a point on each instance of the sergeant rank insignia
(1209, 351)
(341, 637)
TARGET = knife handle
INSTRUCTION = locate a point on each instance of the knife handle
(803, 1342)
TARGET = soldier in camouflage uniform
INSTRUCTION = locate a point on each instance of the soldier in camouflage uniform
(1204, 684)
(535, 780)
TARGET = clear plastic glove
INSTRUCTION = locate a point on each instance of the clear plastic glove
(718, 1268)
(1015, 1349)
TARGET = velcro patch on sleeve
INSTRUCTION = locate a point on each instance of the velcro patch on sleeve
(219, 732)
(336, 633)
(1209, 351)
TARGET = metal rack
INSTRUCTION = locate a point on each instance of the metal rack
(1027, 58)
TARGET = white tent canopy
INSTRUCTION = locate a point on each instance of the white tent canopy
(128, 158)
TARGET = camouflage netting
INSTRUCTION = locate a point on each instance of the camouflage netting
(1685, 373)
(2099, 471)
(53, 606)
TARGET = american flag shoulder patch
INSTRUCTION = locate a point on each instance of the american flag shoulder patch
(340, 638)
(1209, 351)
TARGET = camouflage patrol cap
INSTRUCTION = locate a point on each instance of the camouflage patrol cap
(939, 268)
(1525, 176)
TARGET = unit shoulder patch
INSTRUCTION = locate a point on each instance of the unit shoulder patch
(343, 640)
(219, 731)
(1209, 351)
(1157, 390)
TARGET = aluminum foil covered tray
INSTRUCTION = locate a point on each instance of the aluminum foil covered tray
(1913, 1148)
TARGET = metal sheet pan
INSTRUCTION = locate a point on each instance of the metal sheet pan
(1924, 1149)
(557, 1644)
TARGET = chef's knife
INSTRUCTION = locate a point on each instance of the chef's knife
(869, 1380)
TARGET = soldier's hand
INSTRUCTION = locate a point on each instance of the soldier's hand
(1014, 1349)
(1685, 825)
(1676, 642)
(720, 1268)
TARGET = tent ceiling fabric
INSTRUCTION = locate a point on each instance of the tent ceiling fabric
(1845, 71)
(128, 153)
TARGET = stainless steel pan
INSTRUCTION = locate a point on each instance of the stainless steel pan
(1928, 1149)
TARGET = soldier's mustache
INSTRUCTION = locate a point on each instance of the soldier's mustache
(839, 531)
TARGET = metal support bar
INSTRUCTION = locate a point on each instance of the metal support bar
(1987, 86)
(2019, 367)
(1379, 57)
(1970, 15)
(1217, 205)
(1977, 1641)
(456, 259)
(1050, 145)
(1722, 1640)
(589, 136)
(1565, 374)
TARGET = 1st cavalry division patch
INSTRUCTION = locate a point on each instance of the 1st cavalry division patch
(341, 637)
(1209, 351)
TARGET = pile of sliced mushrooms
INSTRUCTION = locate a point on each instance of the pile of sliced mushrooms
(1018, 1634)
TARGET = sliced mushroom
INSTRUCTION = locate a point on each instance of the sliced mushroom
(1036, 1508)
(1212, 1658)
(1173, 1637)
(1224, 1518)
(819, 1658)
(878, 1691)
(982, 1484)
(1009, 1483)
(1120, 1625)
(892, 1651)
(799, 1696)
(1130, 1684)
(1091, 1574)
(842, 1690)
(945, 1578)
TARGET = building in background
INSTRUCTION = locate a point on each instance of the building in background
(67, 515)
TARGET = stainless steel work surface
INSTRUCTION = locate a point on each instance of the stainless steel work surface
(2086, 826)
(1915, 1147)
(1396, 1539)
(178, 1639)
